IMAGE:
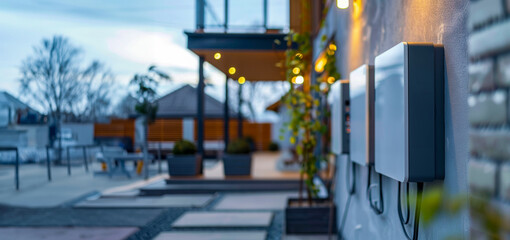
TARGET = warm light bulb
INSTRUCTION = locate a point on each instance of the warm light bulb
(332, 47)
(319, 65)
(299, 80)
(342, 4)
(232, 70)
(217, 56)
(296, 70)
(331, 80)
(241, 80)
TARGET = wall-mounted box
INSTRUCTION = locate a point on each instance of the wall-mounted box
(339, 105)
(361, 93)
(409, 112)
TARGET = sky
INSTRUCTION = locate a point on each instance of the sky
(126, 35)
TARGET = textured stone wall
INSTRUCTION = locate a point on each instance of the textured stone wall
(489, 108)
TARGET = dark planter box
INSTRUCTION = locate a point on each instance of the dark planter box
(183, 165)
(309, 220)
(237, 164)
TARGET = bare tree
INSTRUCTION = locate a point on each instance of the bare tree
(97, 90)
(53, 77)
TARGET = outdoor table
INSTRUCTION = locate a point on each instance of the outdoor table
(122, 159)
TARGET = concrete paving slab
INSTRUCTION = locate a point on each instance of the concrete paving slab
(67, 233)
(130, 193)
(78, 217)
(254, 201)
(36, 191)
(213, 235)
(309, 237)
(224, 219)
(148, 202)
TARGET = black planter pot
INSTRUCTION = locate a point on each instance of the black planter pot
(237, 164)
(183, 165)
(310, 220)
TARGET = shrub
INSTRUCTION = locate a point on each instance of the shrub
(273, 147)
(184, 147)
(251, 142)
(239, 146)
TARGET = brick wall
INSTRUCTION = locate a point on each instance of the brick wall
(489, 84)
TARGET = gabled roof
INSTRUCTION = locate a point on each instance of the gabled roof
(183, 103)
(9, 101)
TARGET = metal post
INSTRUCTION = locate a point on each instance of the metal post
(226, 16)
(85, 159)
(68, 162)
(226, 117)
(200, 14)
(265, 15)
(48, 162)
(239, 114)
(159, 158)
(200, 109)
(17, 169)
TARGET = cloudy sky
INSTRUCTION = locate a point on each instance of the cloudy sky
(126, 35)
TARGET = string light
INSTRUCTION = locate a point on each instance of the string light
(299, 80)
(342, 4)
(241, 80)
(217, 56)
(232, 70)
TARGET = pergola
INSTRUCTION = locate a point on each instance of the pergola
(250, 56)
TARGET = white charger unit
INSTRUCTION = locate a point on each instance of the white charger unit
(409, 112)
(339, 105)
(361, 94)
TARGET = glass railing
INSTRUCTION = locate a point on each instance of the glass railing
(243, 16)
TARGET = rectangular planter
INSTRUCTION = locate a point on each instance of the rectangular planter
(309, 220)
(183, 165)
(237, 164)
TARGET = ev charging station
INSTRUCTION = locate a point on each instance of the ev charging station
(339, 101)
(409, 112)
(361, 93)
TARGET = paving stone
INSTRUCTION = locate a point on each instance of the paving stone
(504, 182)
(254, 201)
(482, 11)
(481, 76)
(503, 70)
(309, 237)
(67, 233)
(213, 235)
(55, 217)
(224, 219)
(491, 40)
(488, 108)
(148, 202)
(493, 144)
(482, 177)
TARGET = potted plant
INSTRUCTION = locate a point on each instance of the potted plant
(237, 160)
(183, 161)
(274, 147)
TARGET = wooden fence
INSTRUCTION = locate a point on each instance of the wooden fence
(170, 130)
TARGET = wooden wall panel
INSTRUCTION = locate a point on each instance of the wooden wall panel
(170, 130)
(116, 128)
(260, 132)
(165, 130)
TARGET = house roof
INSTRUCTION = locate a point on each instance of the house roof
(9, 101)
(183, 103)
